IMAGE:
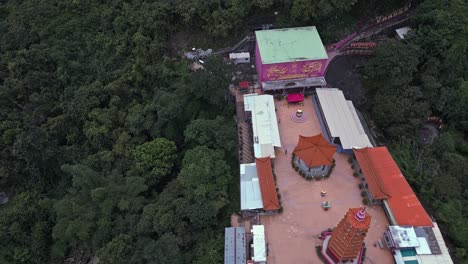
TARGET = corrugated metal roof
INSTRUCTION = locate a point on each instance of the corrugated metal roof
(342, 119)
(264, 124)
(251, 195)
(290, 44)
(234, 245)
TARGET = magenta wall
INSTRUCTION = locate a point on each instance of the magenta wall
(289, 70)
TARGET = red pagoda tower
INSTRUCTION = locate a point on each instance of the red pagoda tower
(347, 238)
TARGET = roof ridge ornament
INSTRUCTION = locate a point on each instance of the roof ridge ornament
(361, 214)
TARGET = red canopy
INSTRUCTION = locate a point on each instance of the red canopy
(295, 97)
(244, 84)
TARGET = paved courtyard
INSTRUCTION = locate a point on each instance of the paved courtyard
(292, 235)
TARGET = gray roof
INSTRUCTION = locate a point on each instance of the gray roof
(234, 245)
(251, 195)
(342, 118)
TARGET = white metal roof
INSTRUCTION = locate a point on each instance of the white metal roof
(259, 247)
(402, 31)
(342, 119)
(404, 236)
(251, 196)
(423, 248)
(240, 55)
(264, 124)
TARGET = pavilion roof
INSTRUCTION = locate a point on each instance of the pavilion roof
(315, 150)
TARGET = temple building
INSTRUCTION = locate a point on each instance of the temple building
(386, 185)
(314, 155)
(258, 188)
(290, 58)
(347, 239)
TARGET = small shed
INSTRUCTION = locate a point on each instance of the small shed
(241, 57)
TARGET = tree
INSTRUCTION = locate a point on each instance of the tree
(392, 67)
(217, 133)
(308, 10)
(89, 215)
(166, 250)
(155, 159)
(118, 251)
(204, 177)
(212, 83)
(457, 111)
(397, 113)
(24, 230)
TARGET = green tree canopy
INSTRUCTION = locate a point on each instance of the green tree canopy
(155, 159)
(217, 133)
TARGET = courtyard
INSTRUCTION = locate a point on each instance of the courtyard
(293, 234)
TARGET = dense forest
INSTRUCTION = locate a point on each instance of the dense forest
(111, 146)
(427, 75)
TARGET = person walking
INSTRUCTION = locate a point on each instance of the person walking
(285, 151)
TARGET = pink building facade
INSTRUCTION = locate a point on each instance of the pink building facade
(288, 70)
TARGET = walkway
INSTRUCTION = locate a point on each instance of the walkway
(371, 29)
(244, 130)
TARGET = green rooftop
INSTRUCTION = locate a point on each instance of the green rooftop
(290, 44)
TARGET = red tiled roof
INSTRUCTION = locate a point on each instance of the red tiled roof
(267, 184)
(378, 165)
(315, 150)
(374, 164)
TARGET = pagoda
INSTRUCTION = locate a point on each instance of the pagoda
(347, 238)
